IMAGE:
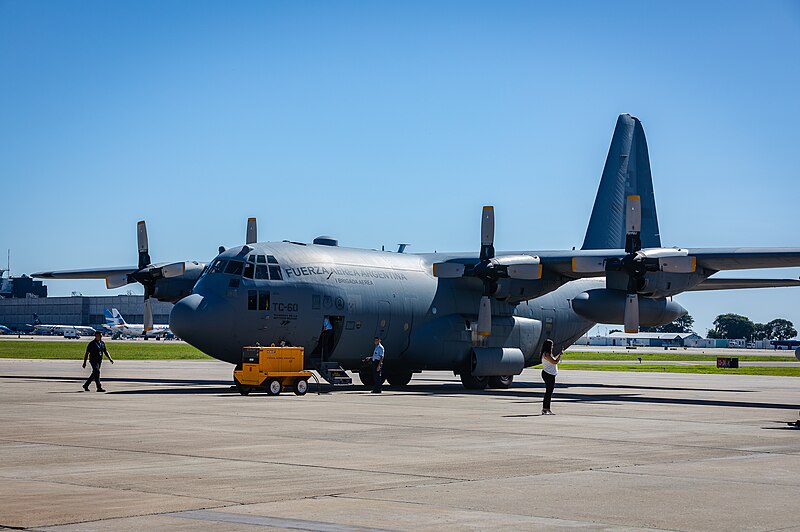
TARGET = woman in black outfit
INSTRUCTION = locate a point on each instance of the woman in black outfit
(549, 372)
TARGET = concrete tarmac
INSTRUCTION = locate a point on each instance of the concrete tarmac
(171, 446)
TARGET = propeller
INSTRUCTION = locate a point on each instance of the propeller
(490, 270)
(147, 274)
(637, 262)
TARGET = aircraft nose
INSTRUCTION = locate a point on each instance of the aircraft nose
(206, 323)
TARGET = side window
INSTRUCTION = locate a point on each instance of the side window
(251, 299)
(218, 266)
(235, 267)
(263, 301)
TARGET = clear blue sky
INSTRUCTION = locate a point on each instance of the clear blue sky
(384, 122)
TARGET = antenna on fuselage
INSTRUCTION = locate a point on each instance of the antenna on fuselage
(401, 248)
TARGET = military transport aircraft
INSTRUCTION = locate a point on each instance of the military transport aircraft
(483, 315)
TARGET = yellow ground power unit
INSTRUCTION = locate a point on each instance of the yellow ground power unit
(272, 369)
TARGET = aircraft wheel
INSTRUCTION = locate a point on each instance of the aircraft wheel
(274, 387)
(471, 382)
(242, 389)
(501, 381)
(399, 379)
(300, 386)
(367, 377)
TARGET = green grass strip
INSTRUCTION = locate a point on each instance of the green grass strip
(671, 356)
(704, 369)
(73, 350)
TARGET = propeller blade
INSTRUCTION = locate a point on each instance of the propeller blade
(117, 280)
(588, 264)
(633, 224)
(487, 233)
(448, 270)
(678, 264)
(252, 231)
(633, 215)
(148, 314)
(632, 313)
(144, 248)
(175, 269)
(485, 317)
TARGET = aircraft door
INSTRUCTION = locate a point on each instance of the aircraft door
(407, 322)
(384, 319)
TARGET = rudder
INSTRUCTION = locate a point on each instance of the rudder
(626, 172)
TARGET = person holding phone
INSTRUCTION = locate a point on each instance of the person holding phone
(549, 372)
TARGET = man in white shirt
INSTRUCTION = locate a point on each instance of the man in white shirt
(377, 365)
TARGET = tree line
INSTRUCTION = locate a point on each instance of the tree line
(732, 327)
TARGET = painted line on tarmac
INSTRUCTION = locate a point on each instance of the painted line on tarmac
(259, 520)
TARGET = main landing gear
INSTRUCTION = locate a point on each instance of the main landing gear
(396, 378)
(472, 382)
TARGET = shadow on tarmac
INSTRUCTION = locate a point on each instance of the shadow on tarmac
(520, 392)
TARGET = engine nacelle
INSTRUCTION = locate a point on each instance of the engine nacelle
(174, 289)
(516, 290)
(491, 361)
(604, 305)
(665, 284)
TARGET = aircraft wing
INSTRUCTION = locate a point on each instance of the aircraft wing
(99, 273)
(716, 259)
(732, 284)
(746, 258)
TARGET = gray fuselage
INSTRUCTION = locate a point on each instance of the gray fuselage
(281, 292)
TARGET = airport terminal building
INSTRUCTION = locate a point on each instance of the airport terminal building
(17, 312)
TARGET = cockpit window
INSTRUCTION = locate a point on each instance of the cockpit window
(218, 266)
(249, 268)
(275, 272)
(261, 271)
(234, 267)
(259, 267)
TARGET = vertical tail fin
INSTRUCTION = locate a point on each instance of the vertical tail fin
(118, 319)
(626, 173)
(36, 320)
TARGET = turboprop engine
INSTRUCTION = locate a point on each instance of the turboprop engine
(605, 305)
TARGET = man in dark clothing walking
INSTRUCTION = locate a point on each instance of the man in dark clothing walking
(94, 352)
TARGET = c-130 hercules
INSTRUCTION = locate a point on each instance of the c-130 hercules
(482, 315)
